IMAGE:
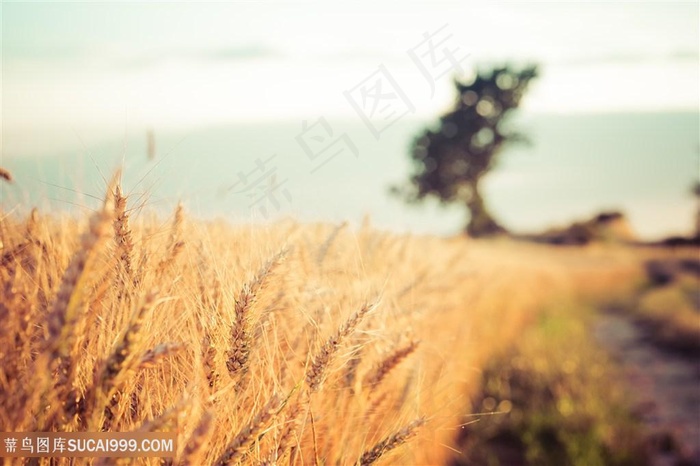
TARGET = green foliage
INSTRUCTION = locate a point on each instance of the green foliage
(565, 407)
(450, 160)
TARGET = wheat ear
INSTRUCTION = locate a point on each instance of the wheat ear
(373, 379)
(65, 313)
(316, 373)
(389, 443)
(249, 434)
(325, 247)
(192, 451)
(351, 369)
(121, 362)
(209, 361)
(153, 356)
(287, 437)
(239, 353)
(65, 310)
(175, 245)
(122, 234)
(165, 420)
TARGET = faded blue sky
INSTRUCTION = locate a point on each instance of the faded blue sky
(79, 77)
(93, 66)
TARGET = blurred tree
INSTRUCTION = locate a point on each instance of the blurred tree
(450, 160)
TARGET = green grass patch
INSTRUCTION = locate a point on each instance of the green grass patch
(555, 401)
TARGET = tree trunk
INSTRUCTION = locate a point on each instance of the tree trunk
(481, 223)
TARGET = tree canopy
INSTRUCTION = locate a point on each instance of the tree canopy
(450, 160)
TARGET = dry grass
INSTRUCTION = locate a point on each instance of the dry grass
(672, 314)
(281, 344)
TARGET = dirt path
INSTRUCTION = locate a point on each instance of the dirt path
(665, 386)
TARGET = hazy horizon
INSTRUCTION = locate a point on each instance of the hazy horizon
(89, 76)
(576, 167)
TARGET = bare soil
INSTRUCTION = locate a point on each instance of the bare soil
(663, 385)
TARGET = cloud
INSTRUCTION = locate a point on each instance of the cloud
(246, 52)
(129, 58)
(231, 54)
(362, 54)
(630, 58)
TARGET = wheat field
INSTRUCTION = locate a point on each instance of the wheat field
(262, 344)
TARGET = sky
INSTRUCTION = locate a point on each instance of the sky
(98, 67)
(83, 75)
